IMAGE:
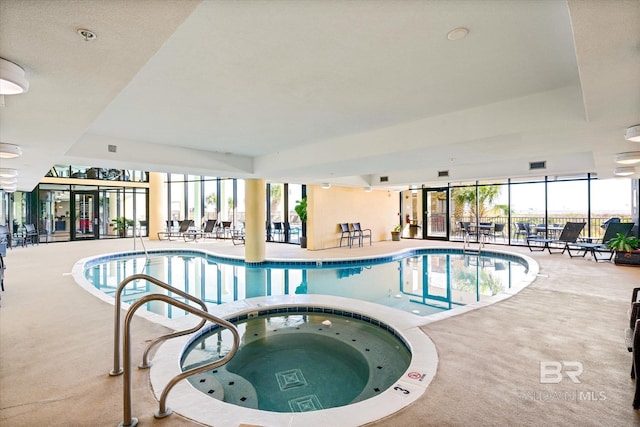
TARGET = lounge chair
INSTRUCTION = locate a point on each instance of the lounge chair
(184, 227)
(208, 231)
(569, 235)
(360, 233)
(613, 228)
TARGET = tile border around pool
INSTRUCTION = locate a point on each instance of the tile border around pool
(317, 263)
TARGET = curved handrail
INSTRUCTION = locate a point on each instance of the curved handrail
(117, 369)
(163, 411)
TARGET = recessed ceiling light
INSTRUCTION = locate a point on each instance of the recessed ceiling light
(87, 35)
(625, 171)
(458, 33)
(630, 158)
(12, 79)
(633, 133)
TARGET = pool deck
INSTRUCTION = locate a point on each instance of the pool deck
(56, 344)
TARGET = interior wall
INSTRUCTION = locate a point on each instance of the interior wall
(327, 208)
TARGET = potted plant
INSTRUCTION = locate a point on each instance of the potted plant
(626, 249)
(395, 233)
(301, 210)
(121, 224)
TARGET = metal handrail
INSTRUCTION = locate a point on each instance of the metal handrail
(163, 411)
(117, 369)
(139, 236)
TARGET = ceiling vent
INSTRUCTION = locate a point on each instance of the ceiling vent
(384, 179)
(537, 165)
(443, 174)
(112, 148)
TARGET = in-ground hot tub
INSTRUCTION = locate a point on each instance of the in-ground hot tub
(299, 359)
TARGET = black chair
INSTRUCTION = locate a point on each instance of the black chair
(209, 228)
(278, 231)
(613, 229)
(345, 233)
(609, 221)
(30, 235)
(360, 233)
(2, 268)
(467, 231)
(5, 236)
(184, 228)
(498, 230)
(569, 236)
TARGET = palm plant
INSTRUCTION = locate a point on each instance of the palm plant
(622, 243)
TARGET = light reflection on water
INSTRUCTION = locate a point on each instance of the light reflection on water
(421, 284)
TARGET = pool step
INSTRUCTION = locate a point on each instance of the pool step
(226, 386)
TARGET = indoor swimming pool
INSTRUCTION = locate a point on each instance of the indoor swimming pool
(422, 281)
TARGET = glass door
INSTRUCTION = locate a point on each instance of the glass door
(436, 202)
(84, 215)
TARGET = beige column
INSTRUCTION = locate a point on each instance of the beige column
(255, 220)
(157, 205)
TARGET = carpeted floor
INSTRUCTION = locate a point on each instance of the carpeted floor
(56, 346)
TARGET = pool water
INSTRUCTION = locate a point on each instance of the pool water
(299, 362)
(423, 283)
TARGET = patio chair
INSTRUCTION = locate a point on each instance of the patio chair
(184, 227)
(278, 231)
(207, 231)
(612, 230)
(523, 230)
(467, 231)
(238, 235)
(5, 236)
(30, 235)
(209, 228)
(345, 233)
(498, 230)
(361, 233)
(569, 235)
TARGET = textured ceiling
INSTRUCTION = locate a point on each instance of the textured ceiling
(323, 91)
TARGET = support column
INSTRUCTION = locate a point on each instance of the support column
(255, 220)
(157, 205)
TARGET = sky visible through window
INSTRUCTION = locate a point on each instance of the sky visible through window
(608, 196)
